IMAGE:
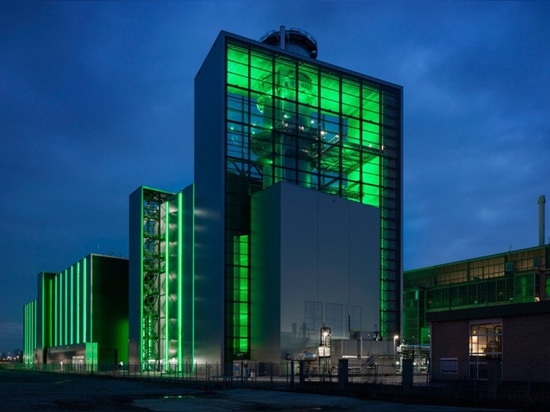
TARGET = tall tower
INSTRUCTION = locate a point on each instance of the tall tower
(273, 125)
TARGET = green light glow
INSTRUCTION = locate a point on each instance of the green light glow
(289, 120)
(71, 306)
(192, 210)
(43, 291)
(54, 304)
(141, 341)
(156, 313)
(30, 337)
(50, 312)
(78, 292)
(167, 313)
(66, 308)
(327, 97)
(85, 309)
(59, 310)
(180, 275)
(240, 320)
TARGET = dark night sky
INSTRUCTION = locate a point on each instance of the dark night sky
(96, 99)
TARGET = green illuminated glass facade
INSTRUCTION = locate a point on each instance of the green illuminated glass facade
(288, 118)
(297, 121)
(491, 281)
(161, 280)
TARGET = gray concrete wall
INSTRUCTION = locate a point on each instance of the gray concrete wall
(328, 254)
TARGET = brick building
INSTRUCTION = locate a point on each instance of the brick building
(484, 318)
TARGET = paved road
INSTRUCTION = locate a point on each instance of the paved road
(31, 391)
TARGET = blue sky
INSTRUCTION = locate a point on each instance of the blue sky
(96, 99)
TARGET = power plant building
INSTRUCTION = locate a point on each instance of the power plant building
(80, 315)
(293, 222)
(289, 236)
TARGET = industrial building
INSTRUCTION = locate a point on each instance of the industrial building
(80, 315)
(289, 237)
(482, 313)
(293, 222)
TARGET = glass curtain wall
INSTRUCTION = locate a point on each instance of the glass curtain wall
(295, 121)
(153, 278)
(164, 301)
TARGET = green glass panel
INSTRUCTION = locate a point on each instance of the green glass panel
(285, 79)
(237, 54)
(353, 131)
(351, 98)
(237, 67)
(330, 92)
(308, 85)
(261, 75)
(371, 135)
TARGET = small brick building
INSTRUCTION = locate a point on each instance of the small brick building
(470, 343)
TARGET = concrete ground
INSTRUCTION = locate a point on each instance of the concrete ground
(34, 391)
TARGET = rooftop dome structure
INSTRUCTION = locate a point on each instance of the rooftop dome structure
(294, 40)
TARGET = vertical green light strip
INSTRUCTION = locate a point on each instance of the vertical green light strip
(167, 313)
(78, 331)
(90, 314)
(51, 312)
(66, 306)
(34, 328)
(43, 295)
(241, 294)
(25, 334)
(27, 330)
(26, 321)
(192, 275)
(59, 310)
(141, 263)
(71, 306)
(180, 279)
(244, 285)
(54, 314)
(84, 300)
